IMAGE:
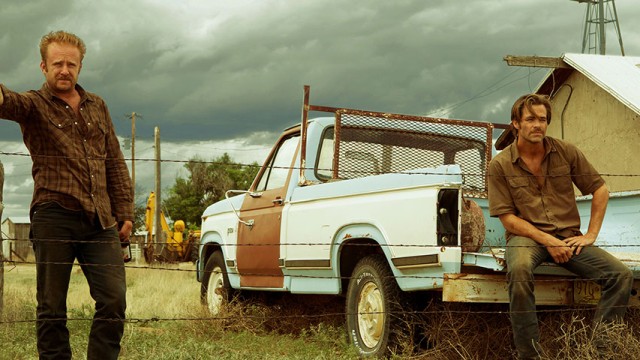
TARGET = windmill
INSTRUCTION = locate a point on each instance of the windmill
(599, 14)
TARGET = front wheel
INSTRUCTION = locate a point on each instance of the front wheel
(215, 291)
(373, 307)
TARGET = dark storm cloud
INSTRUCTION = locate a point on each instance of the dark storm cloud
(214, 71)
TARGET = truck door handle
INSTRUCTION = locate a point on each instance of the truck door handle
(277, 201)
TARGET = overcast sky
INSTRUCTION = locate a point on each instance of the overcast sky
(219, 76)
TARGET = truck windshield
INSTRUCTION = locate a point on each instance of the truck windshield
(275, 175)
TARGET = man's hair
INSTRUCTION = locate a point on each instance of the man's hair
(62, 37)
(527, 101)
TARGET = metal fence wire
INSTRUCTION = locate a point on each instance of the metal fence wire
(369, 143)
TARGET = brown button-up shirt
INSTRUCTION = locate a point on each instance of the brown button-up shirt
(513, 189)
(77, 161)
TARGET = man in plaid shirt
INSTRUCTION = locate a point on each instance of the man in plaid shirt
(82, 191)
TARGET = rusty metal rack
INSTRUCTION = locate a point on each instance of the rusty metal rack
(368, 143)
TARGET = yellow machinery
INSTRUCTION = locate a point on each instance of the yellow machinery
(172, 246)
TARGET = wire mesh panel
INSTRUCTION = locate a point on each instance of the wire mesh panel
(368, 143)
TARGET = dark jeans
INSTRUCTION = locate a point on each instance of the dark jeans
(59, 237)
(524, 255)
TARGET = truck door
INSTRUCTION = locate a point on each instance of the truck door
(258, 252)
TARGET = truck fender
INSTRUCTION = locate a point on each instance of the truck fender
(209, 243)
(362, 233)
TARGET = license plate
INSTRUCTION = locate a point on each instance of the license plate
(586, 292)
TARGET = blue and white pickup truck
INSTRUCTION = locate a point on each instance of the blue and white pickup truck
(373, 206)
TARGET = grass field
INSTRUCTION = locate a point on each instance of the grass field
(166, 321)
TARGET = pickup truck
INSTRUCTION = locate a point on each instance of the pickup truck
(374, 207)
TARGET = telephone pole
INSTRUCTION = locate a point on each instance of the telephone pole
(1, 254)
(159, 238)
(133, 155)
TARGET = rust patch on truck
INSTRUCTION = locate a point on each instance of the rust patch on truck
(485, 288)
(473, 227)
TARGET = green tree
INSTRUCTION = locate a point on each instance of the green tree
(206, 183)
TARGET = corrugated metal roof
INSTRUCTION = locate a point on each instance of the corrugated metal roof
(617, 75)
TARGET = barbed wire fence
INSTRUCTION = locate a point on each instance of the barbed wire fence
(156, 267)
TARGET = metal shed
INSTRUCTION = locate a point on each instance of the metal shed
(16, 245)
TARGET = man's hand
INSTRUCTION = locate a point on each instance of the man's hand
(559, 250)
(578, 242)
(125, 231)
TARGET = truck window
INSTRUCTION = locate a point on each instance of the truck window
(324, 167)
(404, 158)
(275, 176)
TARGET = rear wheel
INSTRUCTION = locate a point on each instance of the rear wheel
(215, 291)
(374, 302)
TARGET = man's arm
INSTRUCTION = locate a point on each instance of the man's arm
(598, 209)
(14, 106)
(558, 249)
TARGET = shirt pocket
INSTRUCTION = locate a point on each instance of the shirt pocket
(520, 188)
(61, 130)
(560, 179)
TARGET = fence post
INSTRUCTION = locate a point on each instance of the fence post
(1, 244)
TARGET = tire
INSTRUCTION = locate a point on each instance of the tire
(373, 289)
(215, 291)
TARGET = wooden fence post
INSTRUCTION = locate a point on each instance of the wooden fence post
(1, 254)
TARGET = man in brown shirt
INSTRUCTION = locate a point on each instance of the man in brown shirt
(82, 189)
(531, 191)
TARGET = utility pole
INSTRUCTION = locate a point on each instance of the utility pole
(133, 155)
(159, 238)
(1, 253)
(599, 14)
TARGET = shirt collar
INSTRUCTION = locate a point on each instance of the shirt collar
(549, 146)
(83, 94)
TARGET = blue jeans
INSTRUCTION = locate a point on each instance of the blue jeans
(523, 255)
(59, 237)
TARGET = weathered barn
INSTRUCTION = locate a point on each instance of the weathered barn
(596, 106)
(16, 245)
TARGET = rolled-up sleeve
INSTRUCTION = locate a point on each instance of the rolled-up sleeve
(583, 174)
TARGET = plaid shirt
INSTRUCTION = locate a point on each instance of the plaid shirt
(77, 161)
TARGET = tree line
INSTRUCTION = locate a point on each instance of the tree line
(205, 184)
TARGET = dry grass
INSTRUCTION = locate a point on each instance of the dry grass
(165, 292)
(288, 326)
(482, 331)
(167, 321)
